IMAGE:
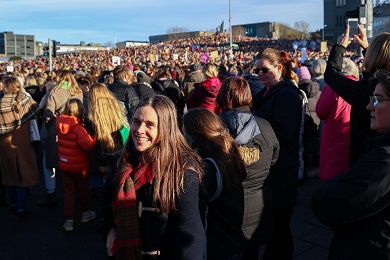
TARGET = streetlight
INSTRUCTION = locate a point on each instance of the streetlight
(230, 29)
(323, 31)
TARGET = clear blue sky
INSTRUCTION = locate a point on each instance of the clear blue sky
(98, 21)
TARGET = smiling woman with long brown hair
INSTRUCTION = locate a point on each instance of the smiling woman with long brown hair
(150, 204)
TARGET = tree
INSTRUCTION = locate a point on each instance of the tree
(303, 28)
(176, 29)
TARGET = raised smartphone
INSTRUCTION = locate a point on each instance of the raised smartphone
(353, 27)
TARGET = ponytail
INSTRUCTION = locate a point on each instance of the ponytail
(287, 71)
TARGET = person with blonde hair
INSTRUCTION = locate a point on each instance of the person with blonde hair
(109, 123)
(65, 89)
(356, 93)
(205, 93)
(151, 204)
(356, 204)
(31, 86)
(17, 160)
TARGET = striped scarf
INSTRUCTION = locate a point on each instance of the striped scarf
(9, 119)
(124, 205)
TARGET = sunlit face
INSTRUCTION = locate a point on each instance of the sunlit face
(144, 128)
(268, 74)
(380, 115)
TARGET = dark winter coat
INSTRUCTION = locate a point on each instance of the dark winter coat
(281, 106)
(125, 94)
(189, 82)
(224, 218)
(313, 92)
(357, 94)
(254, 83)
(356, 205)
(178, 235)
(259, 149)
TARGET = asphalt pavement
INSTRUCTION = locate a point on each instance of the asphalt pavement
(41, 236)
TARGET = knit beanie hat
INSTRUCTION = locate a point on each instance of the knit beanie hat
(303, 73)
(142, 77)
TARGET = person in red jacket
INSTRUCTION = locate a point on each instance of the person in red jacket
(205, 93)
(74, 144)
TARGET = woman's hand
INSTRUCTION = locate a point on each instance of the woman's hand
(344, 39)
(361, 39)
(110, 241)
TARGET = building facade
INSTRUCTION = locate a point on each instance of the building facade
(17, 45)
(270, 30)
(131, 43)
(381, 18)
(336, 13)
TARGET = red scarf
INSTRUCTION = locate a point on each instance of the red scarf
(124, 205)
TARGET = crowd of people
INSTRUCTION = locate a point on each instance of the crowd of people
(198, 151)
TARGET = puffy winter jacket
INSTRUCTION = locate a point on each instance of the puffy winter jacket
(205, 94)
(74, 144)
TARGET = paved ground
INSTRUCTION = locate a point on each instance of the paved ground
(42, 237)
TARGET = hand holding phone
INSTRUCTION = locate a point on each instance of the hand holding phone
(353, 27)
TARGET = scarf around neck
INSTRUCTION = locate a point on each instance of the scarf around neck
(124, 205)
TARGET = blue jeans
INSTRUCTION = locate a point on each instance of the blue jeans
(18, 197)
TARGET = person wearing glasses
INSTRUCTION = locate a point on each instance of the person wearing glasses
(280, 104)
(356, 93)
(355, 204)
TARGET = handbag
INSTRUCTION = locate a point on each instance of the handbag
(34, 132)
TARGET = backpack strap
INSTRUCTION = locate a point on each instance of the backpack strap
(219, 180)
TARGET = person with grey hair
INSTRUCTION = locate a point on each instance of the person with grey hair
(335, 138)
(318, 69)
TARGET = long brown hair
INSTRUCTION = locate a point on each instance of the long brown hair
(170, 154)
(213, 140)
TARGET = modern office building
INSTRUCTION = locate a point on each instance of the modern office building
(336, 13)
(17, 45)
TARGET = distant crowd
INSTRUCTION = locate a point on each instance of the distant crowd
(198, 150)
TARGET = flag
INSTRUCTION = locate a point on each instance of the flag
(221, 27)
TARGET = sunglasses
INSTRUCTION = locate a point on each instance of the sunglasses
(263, 70)
(375, 100)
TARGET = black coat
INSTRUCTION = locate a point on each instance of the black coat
(254, 134)
(357, 94)
(125, 94)
(224, 218)
(281, 106)
(178, 235)
(356, 205)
